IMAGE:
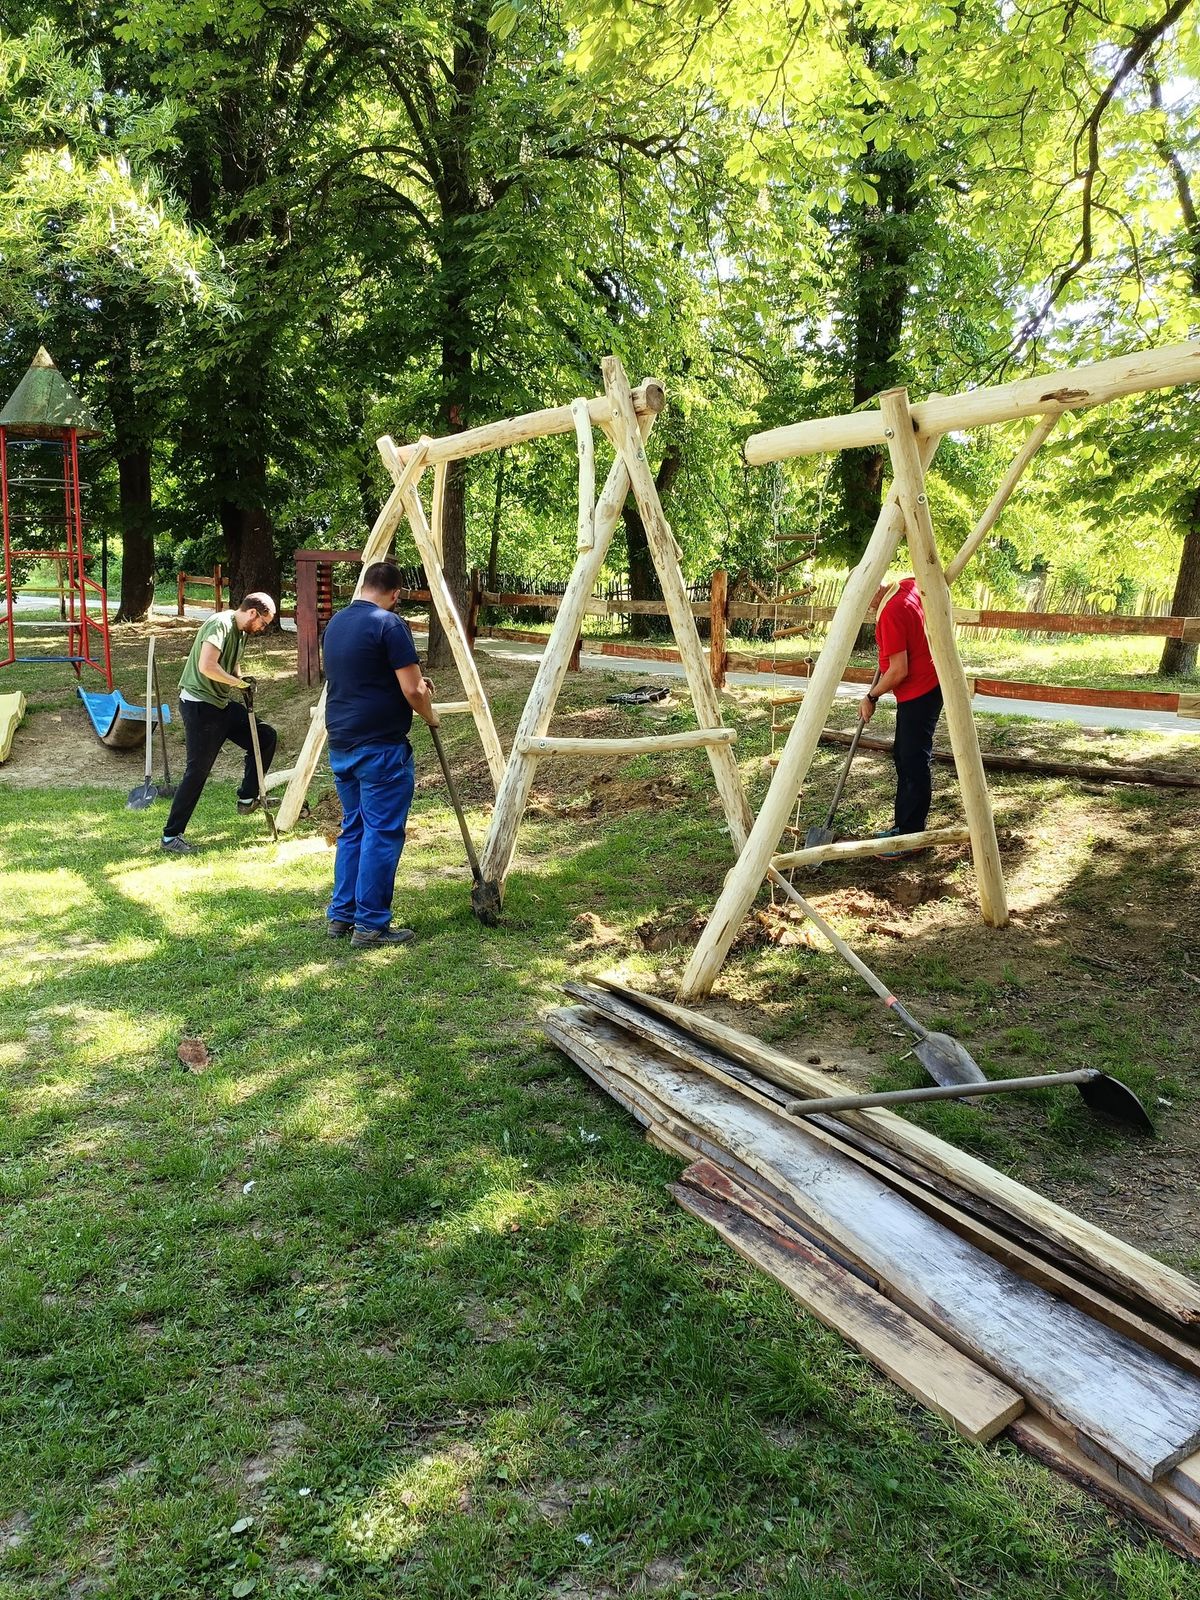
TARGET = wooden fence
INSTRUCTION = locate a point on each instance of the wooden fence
(716, 608)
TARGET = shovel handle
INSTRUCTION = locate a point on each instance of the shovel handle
(950, 1091)
(845, 772)
(454, 801)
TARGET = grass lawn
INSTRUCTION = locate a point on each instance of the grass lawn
(383, 1299)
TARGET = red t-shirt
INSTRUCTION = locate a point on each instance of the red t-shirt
(900, 625)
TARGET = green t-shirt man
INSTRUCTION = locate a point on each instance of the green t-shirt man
(220, 630)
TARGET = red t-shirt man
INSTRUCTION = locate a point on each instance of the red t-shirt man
(906, 670)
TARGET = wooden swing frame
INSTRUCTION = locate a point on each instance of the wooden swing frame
(912, 435)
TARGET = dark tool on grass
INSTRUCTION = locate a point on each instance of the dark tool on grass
(944, 1059)
(143, 794)
(476, 874)
(1101, 1093)
(248, 699)
(166, 788)
(817, 835)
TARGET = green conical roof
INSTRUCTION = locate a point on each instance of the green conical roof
(45, 405)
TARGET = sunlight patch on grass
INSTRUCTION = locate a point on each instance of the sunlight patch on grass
(497, 1211)
(399, 1511)
(13, 1053)
(94, 1035)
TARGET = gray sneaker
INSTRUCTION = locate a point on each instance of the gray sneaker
(178, 846)
(372, 938)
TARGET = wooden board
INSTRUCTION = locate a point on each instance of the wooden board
(1174, 1295)
(1056, 1450)
(1141, 1409)
(952, 1386)
(939, 1200)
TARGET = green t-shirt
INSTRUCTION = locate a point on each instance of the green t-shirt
(224, 632)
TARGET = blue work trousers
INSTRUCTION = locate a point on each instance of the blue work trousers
(375, 786)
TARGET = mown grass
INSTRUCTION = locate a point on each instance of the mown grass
(385, 1300)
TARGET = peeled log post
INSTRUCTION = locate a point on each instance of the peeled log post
(665, 554)
(496, 856)
(1034, 440)
(1070, 389)
(939, 628)
(754, 862)
(379, 542)
(850, 849)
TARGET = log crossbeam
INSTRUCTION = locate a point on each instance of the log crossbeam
(851, 849)
(652, 744)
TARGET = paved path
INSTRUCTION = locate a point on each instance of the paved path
(1082, 716)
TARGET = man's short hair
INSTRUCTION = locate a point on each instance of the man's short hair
(382, 577)
(258, 602)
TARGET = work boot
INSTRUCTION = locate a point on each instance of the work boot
(245, 807)
(338, 930)
(178, 846)
(372, 938)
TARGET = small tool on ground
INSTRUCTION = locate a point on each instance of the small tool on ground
(944, 1059)
(143, 794)
(458, 811)
(818, 835)
(1100, 1092)
(166, 788)
(248, 699)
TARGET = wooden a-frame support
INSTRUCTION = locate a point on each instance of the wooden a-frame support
(630, 470)
(912, 436)
(626, 418)
(406, 463)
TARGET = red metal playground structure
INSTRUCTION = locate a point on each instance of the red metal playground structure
(40, 496)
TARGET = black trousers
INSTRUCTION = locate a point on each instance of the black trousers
(206, 729)
(913, 755)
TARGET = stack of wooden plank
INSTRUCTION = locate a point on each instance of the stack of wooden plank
(996, 1308)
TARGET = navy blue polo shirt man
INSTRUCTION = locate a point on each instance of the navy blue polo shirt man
(373, 684)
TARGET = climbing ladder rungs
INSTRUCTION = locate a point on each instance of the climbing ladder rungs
(549, 745)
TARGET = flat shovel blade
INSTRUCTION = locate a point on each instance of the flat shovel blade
(1112, 1098)
(142, 796)
(946, 1061)
(817, 836)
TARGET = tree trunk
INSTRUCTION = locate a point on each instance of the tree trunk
(643, 579)
(250, 547)
(137, 533)
(1178, 657)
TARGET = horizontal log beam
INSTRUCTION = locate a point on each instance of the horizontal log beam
(697, 739)
(534, 425)
(850, 848)
(1069, 389)
(452, 708)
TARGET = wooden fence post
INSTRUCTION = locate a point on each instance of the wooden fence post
(180, 580)
(718, 651)
(474, 603)
(576, 652)
(308, 630)
(217, 595)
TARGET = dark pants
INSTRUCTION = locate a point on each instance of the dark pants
(375, 786)
(913, 754)
(206, 729)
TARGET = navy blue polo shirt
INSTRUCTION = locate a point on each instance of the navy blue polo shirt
(364, 704)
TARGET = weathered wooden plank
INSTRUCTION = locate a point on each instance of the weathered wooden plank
(1132, 1403)
(950, 1384)
(1144, 1278)
(1056, 1450)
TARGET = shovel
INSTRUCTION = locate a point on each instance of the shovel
(166, 788)
(817, 836)
(248, 698)
(944, 1059)
(454, 801)
(144, 794)
(1100, 1092)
